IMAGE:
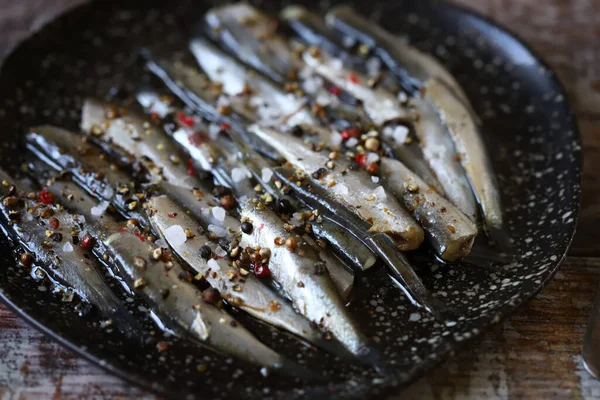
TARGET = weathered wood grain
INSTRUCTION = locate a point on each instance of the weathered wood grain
(534, 354)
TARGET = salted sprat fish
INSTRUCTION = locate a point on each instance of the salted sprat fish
(269, 103)
(198, 93)
(238, 286)
(379, 243)
(450, 232)
(251, 36)
(353, 189)
(303, 277)
(88, 165)
(345, 244)
(136, 136)
(440, 153)
(411, 66)
(159, 281)
(46, 230)
(470, 148)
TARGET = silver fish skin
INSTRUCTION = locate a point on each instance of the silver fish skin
(203, 209)
(272, 106)
(471, 149)
(351, 248)
(304, 278)
(243, 291)
(380, 105)
(160, 284)
(394, 51)
(197, 92)
(411, 155)
(242, 30)
(184, 303)
(449, 231)
(67, 262)
(276, 57)
(440, 153)
(354, 189)
(88, 165)
(139, 138)
(342, 278)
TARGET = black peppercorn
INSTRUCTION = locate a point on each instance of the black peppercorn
(247, 227)
(205, 252)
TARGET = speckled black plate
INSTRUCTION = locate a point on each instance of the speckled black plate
(528, 126)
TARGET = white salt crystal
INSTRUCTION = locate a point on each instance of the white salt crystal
(341, 189)
(67, 247)
(323, 99)
(108, 192)
(400, 134)
(160, 108)
(372, 157)
(213, 264)
(238, 174)
(379, 192)
(267, 174)
(336, 139)
(375, 179)
(351, 142)
(213, 130)
(99, 209)
(402, 97)
(175, 235)
(217, 230)
(336, 64)
(219, 213)
(312, 85)
(220, 252)
(80, 219)
(373, 66)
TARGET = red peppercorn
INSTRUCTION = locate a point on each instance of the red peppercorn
(46, 197)
(87, 241)
(172, 215)
(224, 126)
(262, 271)
(54, 223)
(353, 78)
(361, 159)
(185, 119)
(348, 133)
(334, 90)
(190, 167)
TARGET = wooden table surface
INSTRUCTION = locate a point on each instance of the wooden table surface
(534, 354)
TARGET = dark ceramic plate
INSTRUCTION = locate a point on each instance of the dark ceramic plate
(529, 129)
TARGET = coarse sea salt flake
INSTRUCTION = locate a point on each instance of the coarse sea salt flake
(175, 235)
(99, 209)
(379, 192)
(219, 213)
(217, 230)
(238, 174)
(212, 263)
(341, 189)
(267, 174)
(372, 157)
(352, 142)
(336, 139)
(375, 179)
(67, 247)
(220, 252)
(400, 134)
